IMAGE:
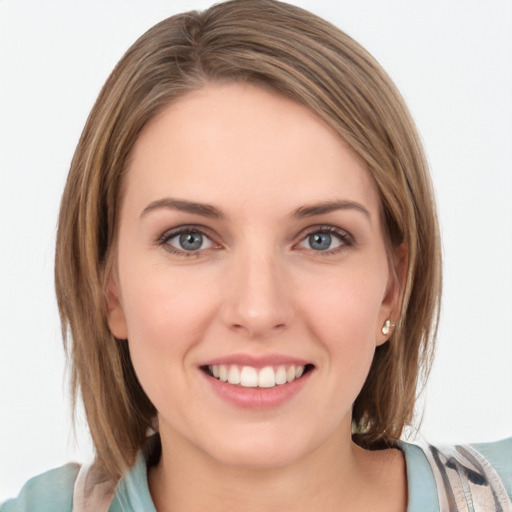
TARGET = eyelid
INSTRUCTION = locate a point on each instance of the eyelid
(346, 238)
(168, 234)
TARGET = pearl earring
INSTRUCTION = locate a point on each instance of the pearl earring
(387, 327)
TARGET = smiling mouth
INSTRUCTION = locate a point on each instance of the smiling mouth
(250, 377)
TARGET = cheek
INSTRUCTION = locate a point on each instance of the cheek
(347, 304)
(166, 316)
(166, 312)
(343, 315)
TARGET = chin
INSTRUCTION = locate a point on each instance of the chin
(257, 460)
(257, 452)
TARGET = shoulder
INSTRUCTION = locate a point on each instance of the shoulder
(49, 492)
(499, 456)
(478, 474)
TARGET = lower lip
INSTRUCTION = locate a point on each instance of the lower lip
(257, 398)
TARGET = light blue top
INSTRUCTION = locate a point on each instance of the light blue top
(53, 491)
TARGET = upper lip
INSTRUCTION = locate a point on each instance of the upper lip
(259, 361)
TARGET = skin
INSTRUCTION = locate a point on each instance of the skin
(255, 287)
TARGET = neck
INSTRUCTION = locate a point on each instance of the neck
(337, 476)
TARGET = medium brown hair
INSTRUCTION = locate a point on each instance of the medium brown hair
(300, 56)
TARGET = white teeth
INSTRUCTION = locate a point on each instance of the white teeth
(234, 375)
(266, 378)
(281, 375)
(250, 377)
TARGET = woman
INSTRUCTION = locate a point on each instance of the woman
(271, 338)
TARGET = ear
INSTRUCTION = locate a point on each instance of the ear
(392, 302)
(115, 314)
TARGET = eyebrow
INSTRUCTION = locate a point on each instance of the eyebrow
(328, 207)
(205, 210)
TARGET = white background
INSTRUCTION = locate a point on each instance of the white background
(452, 59)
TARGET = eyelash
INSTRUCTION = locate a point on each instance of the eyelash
(345, 238)
(183, 230)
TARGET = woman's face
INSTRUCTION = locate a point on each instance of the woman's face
(250, 249)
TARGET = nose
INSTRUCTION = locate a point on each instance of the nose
(257, 296)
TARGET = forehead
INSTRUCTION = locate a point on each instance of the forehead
(239, 144)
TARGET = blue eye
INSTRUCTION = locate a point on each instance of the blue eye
(320, 241)
(189, 241)
(326, 239)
